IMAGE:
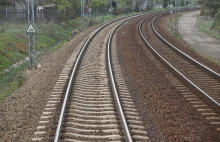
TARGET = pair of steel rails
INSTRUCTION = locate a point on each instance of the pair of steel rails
(128, 136)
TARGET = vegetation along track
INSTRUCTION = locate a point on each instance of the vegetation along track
(199, 78)
(89, 112)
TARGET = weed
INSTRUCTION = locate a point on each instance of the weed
(10, 81)
(13, 48)
(205, 25)
(213, 60)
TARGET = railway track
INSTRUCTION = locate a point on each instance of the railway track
(92, 110)
(199, 78)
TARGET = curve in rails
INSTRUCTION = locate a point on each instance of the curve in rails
(187, 57)
(199, 77)
(90, 114)
(202, 79)
(121, 93)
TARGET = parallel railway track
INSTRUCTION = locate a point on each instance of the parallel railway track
(199, 78)
(97, 104)
(89, 111)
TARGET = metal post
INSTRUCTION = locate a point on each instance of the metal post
(82, 15)
(111, 8)
(31, 37)
(176, 16)
(154, 3)
(84, 27)
(133, 6)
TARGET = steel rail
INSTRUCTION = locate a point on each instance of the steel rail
(114, 88)
(113, 84)
(73, 74)
(203, 94)
(57, 135)
(186, 56)
(115, 92)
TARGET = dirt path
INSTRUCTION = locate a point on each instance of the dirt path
(201, 42)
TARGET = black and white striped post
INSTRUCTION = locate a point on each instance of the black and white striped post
(82, 15)
(31, 36)
(177, 10)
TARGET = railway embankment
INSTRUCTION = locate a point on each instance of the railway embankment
(198, 33)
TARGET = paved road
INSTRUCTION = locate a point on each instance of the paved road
(201, 42)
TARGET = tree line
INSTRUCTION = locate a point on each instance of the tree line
(210, 7)
(75, 5)
(117, 6)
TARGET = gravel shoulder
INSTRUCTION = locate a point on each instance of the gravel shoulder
(203, 43)
(183, 45)
(166, 113)
(158, 102)
(20, 112)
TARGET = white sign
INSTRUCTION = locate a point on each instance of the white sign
(171, 11)
(31, 29)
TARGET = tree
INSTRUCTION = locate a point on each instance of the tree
(3, 2)
(165, 3)
(211, 5)
(98, 4)
(216, 20)
(76, 6)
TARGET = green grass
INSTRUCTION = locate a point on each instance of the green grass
(205, 25)
(10, 81)
(213, 60)
(13, 48)
(49, 37)
(171, 26)
(13, 40)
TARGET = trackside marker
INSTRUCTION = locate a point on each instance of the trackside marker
(31, 29)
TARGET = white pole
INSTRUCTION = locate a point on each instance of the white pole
(154, 5)
(82, 15)
(29, 38)
(34, 50)
(111, 8)
(133, 6)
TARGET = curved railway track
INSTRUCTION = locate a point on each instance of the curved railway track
(97, 104)
(199, 78)
(89, 111)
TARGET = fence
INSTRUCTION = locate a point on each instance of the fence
(20, 15)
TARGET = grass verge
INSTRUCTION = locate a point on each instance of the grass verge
(205, 25)
(10, 81)
(50, 36)
(13, 46)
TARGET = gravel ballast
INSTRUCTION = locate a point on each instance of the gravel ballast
(182, 45)
(20, 112)
(166, 113)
